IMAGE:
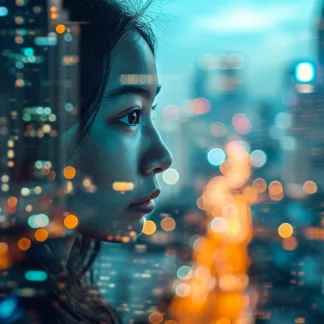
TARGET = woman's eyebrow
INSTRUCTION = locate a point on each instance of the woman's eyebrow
(132, 89)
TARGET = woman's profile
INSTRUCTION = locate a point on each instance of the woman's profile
(114, 144)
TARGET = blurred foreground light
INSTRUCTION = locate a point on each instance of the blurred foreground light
(258, 158)
(295, 190)
(183, 290)
(117, 186)
(219, 224)
(69, 172)
(192, 240)
(241, 123)
(41, 235)
(35, 275)
(170, 176)
(283, 120)
(71, 221)
(3, 11)
(149, 227)
(201, 106)
(60, 29)
(289, 244)
(310, 187)
(168, 224)
(305, 72)
(12, 201)
(3, 248)
(218, 129)
(216, 156)
(285, 230)
(288, 143)
(184, 272)
(198, 243)
(24, 244)
(156, 318)
(7, 307)
(28, 51)
(38, 220)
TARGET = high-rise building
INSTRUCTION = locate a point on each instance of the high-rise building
(39, 93)
(39, 100)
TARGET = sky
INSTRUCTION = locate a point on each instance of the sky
(270, 34)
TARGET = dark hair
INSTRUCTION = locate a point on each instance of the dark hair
(104, 23)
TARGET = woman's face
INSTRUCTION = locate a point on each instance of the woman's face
(123, 146)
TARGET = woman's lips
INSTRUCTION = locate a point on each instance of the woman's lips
(144, 207)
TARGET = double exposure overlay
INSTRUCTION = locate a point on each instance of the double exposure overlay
(162, 162)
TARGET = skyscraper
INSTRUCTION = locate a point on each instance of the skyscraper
(39, 93)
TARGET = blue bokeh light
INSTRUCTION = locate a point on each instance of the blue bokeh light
(3, 11)
(305, 72)
(7, 306)
(216, 156)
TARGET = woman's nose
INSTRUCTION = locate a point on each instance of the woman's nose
(157, 157)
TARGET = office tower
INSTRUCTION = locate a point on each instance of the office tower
(39, 93)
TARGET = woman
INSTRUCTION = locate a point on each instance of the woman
(115, 143)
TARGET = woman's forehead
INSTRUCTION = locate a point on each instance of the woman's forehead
(132, 57)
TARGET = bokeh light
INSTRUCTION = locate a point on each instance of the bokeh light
(184, 272)
(41, 235)
(117, 186)
(38, 220)
(241, 123)
(219, 224)
(183, 290)
(24, 244)
(12, 201)
(168, 224)
(288, 143)
(69, 172)
(149, 227)
(60, 29)
(218, 129)
(216, 156)
(201, 106)
(305, 72)
(285, 230)
(170, 176)
(283, 120)
(258, 158)
(310, 187)
(156, 318)
(71, 221)
(289, 244)
(3, 248)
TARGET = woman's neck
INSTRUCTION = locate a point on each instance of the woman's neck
(53, 253)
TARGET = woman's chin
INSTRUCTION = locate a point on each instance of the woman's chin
(119, 233)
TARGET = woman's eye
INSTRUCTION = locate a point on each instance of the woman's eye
(132, 118)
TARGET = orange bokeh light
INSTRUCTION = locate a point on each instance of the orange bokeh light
(310, 187)
(156, 318)
(3, 248)
(12, 202)
(168, 224)
(24, 244)
(285, 230)
(60, 29)
(71, 221)
(69, 172)
(149, 227)
(41, 235)
(289, 244)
